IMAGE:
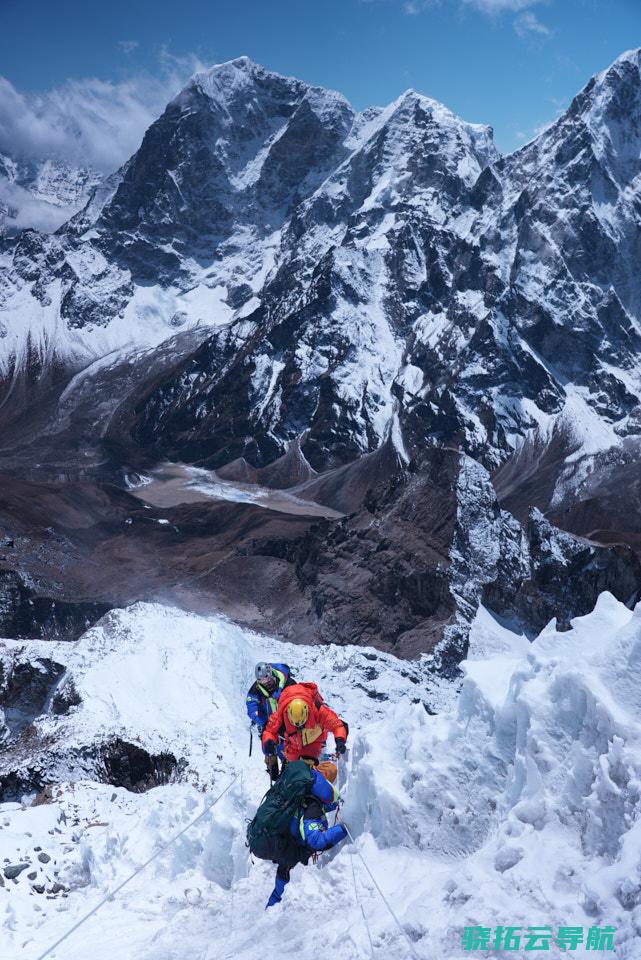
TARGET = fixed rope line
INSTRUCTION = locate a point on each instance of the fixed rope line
(233, 885)
(356, 896)
(358, 901)
(113, 893)
(382, 896)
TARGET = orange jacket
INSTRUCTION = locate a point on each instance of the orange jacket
(309, 741)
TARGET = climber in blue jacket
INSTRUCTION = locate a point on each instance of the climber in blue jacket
(262, 700)
(310, 828)
(262, 696)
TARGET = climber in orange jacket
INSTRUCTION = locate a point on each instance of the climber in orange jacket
(303, 720)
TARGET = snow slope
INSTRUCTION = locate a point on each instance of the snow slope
(516, 805)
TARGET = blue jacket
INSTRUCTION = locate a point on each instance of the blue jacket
(314, 832)
(260, 703)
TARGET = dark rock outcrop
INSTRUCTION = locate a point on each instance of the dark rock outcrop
(127, 765)
(26, 614)
(563, 577)
(26, 687)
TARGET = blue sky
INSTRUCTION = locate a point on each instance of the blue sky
(511, 63)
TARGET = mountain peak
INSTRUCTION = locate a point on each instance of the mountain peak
(624, 70)
(232, 76)
(440, 113)
(606, 111)
(242, 64)
(629, 56)
(234, 81)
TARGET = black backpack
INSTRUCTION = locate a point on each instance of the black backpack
(268, 836)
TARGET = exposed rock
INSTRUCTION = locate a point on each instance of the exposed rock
(33, 764)
(563, 577)
(14, 870)
(15, 784)
(380, 576)
(287, 471)
(25, 614)
(55, 187)
(238, 471)
(25, 688)
(419, 547)
(127, 765)
(65, 697)
(401, 309)
(44, 796)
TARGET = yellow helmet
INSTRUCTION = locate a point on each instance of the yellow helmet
(298, 711)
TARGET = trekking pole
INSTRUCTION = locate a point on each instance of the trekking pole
(251, 738)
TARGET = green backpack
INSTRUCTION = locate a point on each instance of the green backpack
(268, 833)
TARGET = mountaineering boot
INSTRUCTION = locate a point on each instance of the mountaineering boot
(277, 893)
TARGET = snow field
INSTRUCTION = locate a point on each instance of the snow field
(518, 805)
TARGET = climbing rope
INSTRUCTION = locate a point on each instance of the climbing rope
(359, 904)
(356, 896)
(382, 895)
(113, 893)
(232, 911)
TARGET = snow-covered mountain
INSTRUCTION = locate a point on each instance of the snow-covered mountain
(485, 298)
(357, 263)
(299, 373)
(374, 305)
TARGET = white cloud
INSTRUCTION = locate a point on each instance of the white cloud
(89, 122)
(528, 23)
(128, 46)
(500, 6)
(32, 211)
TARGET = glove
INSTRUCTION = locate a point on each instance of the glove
(260, 728)
(269, 748)
(336, 833)
(340, 746)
